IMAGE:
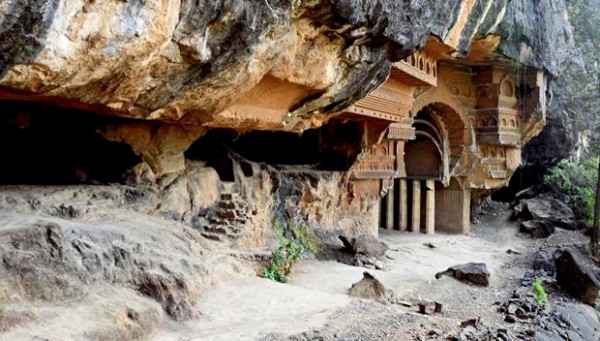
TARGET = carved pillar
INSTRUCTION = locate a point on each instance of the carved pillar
(389, 223)
(430, 206)
(416, 206)
(453, 209)
(403, 205)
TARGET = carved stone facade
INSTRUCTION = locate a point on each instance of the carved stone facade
(456, 123)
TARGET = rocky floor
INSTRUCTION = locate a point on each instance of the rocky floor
(78, 265)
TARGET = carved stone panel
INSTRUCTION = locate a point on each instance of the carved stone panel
(377, 162)
(493, 160)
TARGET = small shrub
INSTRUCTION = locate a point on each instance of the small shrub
(283, 259)
(540, 294)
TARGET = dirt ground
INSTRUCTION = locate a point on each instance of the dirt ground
(232, 303)
(314, 305)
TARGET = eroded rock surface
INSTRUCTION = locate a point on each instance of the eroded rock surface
(370, 288)
(473, 273)
(190, 60)
(576, 277)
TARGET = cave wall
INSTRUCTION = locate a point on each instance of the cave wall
(169, 73)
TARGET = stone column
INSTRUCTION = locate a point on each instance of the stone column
(389, 223)
(430, 206)
(453, 209)
(416, 206)
(403, 205)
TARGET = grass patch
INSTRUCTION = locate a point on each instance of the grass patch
(306, 236)
(540, 294)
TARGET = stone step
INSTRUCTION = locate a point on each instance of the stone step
(226, 205)
(225, 214)
(215, 229)
(216, 221)
(211, 236)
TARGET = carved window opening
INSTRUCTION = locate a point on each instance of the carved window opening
(492, 154)
(421, 64)
(513, 123)
(493, 122)
(501, 154)
(428, 67)
(435, 74)
(504, 122)
(507, 88)
(382, 150)
(482, 123)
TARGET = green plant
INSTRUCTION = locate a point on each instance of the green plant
(306, 236)
(540, 294)
(283, 259)
(577, 182)
(278, 229)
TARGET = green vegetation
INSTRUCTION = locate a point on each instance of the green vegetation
(278, 229)
(306, 236)
(577, 182)
(283, 259)
(540, 294)
(291, 249)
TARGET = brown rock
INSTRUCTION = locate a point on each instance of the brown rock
(161, 146)
(370, 288)
(364, 245)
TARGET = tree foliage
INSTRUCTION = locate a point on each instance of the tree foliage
(576, 181)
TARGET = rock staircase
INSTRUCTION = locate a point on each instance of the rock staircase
(226, 221)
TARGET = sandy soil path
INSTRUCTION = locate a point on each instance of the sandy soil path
(256, 308)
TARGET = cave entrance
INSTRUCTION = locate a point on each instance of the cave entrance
(280, 148)
(46, 145)
(332, 147)
(213, 148)
(428, 199)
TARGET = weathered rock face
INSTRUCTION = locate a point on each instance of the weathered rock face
(576, 277)
(567, 118)
(139, 271)
(542, 215)
(190, 60)
(580, 321)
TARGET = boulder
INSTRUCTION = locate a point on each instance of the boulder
(364, 245)
(537, 228)
(549, 210)
(570, 321)
(370, 288)
(576, 277)
(474, 273)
